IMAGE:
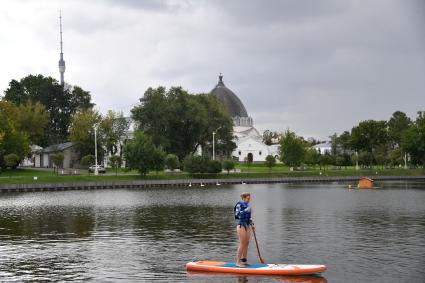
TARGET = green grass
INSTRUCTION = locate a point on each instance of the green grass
(21, 176)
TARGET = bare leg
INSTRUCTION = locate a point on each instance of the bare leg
(248, 234)
(243, 235)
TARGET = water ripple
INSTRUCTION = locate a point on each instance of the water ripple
(148, 235)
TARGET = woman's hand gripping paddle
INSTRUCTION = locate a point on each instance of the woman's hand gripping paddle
(256, 243)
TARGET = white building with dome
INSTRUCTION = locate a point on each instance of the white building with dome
(249, 142)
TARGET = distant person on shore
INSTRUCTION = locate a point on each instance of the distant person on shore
(242, 212)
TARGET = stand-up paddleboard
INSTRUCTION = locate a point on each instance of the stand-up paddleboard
(258, 268)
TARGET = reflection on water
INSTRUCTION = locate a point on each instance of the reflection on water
(217, 277)
(150, 234)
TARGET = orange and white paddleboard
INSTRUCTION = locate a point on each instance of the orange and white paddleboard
(257, 268)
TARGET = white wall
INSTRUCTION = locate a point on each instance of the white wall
(250, 145)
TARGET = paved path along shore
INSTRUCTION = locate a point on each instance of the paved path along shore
(189, 182)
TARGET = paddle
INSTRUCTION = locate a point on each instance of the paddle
(256, 243)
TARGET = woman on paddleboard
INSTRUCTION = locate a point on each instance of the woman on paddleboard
(242, 212)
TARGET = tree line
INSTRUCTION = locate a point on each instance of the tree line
(397, 142)
(170, 125)
(36, 110)
(173, 126)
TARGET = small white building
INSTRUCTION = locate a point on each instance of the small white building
(323, 148)
(30, 160)
(42, 158)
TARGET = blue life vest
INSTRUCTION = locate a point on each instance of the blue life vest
(241, 215)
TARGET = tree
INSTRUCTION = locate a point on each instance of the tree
(381, 154)
(355, 159)
(140, 153)
(59, 103)
(413, 140)
(12, 140)
(292, 149)
(180, 123)
(11, 160)
(270, 162)
(339, 161)
(344, 141)
(88, 160)
(312, 157)
(158, 160)
(395, 157)
(270, 137)
(116, 162)
(326, 160)
(172, 161)
(114, 127)
(29, 118)
(82, 133)
(365, 158)
(228, 165)
(397, 125)
(368, 136)
(347, 160)
(192, 164)
(33, 119)
(57, 159)
(335, 144)
(219, 122)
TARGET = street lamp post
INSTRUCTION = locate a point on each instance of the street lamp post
(213, 145)
(213, 149)
(357, 160)
(96, 172)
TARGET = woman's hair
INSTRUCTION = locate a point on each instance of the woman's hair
(244, 195)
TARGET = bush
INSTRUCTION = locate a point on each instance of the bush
(214, 166)
(116, 162)
(11, 160)
(158, 160)
(228, 165)
(172, 161)
(57, 159)
(270, 161)
(141, 154)
(194, 164)
(326, 160)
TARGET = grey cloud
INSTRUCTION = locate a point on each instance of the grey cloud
(150, 5)
(317, 67)
(271, 12)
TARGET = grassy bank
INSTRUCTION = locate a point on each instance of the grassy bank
(25, 176)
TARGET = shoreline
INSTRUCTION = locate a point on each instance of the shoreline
(138, 184)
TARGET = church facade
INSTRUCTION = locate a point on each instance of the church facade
(249, 142)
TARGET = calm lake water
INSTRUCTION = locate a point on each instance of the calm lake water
(149, 234)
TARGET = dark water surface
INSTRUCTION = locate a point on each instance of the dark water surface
(149, 234)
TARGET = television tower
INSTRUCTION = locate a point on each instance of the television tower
(61, 61)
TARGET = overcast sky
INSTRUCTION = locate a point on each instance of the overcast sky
(316, 67)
